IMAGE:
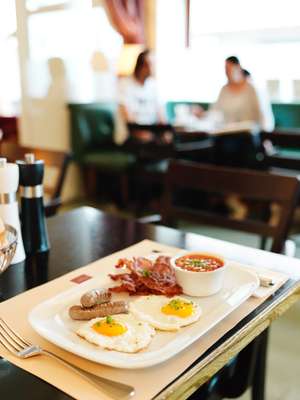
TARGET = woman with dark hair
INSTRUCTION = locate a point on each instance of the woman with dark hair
(138, 100)
(143, 66)
(246, 73)
(238, 100)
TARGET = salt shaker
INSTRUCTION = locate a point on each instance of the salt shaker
(9, 210)
(34, 228)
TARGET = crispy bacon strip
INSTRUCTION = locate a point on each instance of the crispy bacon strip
(147, 277)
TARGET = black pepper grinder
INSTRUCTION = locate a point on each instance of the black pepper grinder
(33, 222)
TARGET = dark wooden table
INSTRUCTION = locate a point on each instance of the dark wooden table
(185, 143)
(85, 235)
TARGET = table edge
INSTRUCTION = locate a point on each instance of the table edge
(195, 377)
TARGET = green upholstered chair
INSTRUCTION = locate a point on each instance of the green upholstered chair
(92, 127)
(287, 115)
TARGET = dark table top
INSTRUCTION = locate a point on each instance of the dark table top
(78, 238)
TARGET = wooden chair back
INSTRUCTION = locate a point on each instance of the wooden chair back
(247, 184)
(57, 160)
(281, 140)
(9, 128)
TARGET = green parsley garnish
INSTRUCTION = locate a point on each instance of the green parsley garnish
(146, 273)
(177, 304)
(109, 320)
(197, 263)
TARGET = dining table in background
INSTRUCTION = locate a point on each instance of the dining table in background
(237, 141)
(181, 142)
(84, 235)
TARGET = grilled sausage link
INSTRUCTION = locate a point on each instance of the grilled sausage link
(95, 296)
(99, 310)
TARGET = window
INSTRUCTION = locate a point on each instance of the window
(35, 5)
(265, 35)
(9, 67)
(217, 16)
(80, 31)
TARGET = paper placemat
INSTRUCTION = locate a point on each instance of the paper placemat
(147, 382)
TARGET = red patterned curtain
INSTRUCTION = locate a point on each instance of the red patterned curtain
(127, 16)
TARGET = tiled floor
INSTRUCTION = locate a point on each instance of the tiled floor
(283, 374)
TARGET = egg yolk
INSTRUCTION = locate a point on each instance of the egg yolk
(179, 308)
(109, 328)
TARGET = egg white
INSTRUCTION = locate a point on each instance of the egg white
(137, 337)
(148, 309)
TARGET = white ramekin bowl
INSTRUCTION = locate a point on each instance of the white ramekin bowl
(200, 283)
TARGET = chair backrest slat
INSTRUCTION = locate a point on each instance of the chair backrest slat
(246, 225)
(249, 185)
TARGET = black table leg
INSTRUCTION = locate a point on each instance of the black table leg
(259, 379)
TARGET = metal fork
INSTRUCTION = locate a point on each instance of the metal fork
(21, 348)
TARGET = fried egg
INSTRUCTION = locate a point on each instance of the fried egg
(164, 313)
(122, 333)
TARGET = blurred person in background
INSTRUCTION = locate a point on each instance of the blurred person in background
(239, 101)
(138, 99)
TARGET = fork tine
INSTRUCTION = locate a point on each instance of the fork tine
(12, 332)
(7, 344)
(9, 337)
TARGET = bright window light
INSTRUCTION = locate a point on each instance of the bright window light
(79, 33)
(9, 67)
(33, 5)
(216, 16)
(265, 35)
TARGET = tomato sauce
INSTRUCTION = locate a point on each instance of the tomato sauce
(199, 263)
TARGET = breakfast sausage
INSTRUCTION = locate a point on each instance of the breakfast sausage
(95, 296)
(99, 310)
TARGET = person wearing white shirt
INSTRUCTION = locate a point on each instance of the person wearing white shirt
(138, 100)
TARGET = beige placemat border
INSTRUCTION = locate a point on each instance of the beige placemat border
(147, 382)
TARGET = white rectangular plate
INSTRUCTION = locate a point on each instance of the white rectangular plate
(51, 320)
